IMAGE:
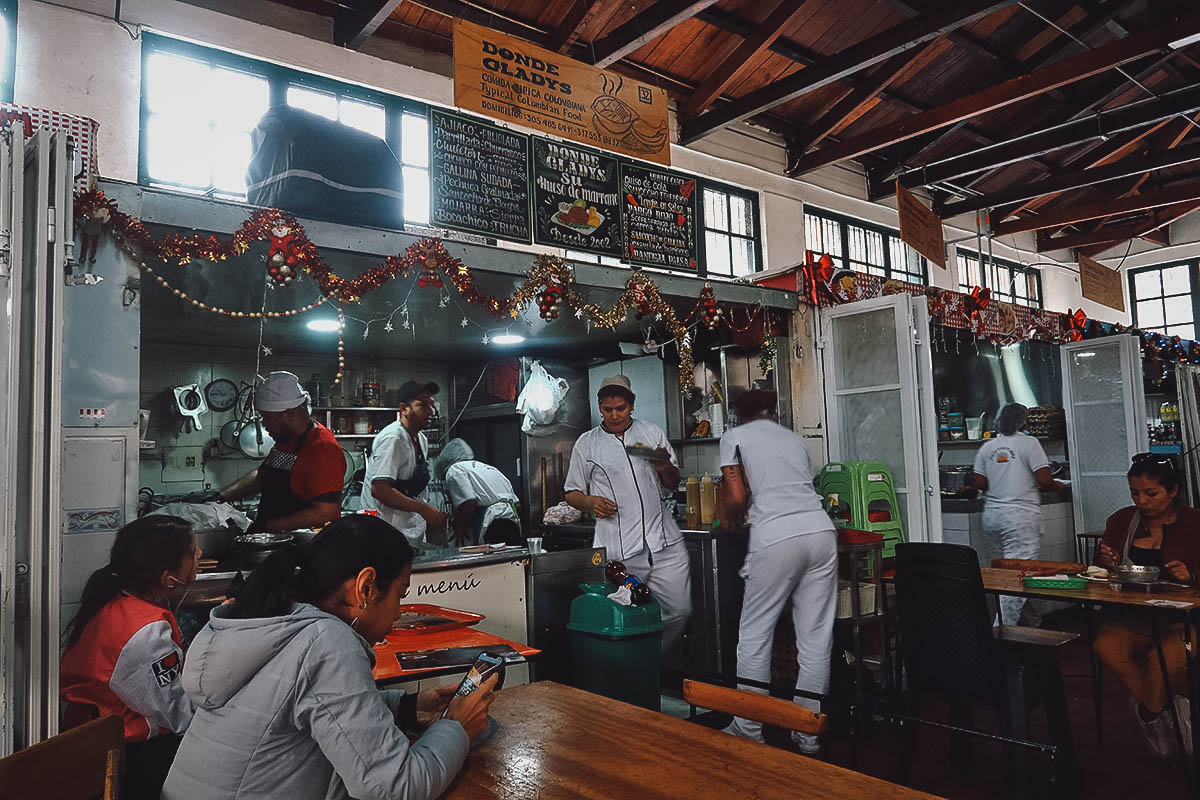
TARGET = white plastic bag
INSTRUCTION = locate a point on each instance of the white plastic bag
(206, 516)
(541, 400)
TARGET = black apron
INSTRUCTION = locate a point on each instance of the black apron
(275, 474)
(413, 485)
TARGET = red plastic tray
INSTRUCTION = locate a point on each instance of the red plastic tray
(420, 618)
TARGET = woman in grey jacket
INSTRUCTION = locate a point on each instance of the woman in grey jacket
(281, 680)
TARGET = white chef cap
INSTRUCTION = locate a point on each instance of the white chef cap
(279, 392)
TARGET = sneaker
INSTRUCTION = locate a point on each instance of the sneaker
(808, 743)
(1183, 708)
(732, 730)
(1159, 737)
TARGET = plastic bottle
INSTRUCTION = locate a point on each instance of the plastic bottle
(616, 573)
(708, 500)
(693, 502)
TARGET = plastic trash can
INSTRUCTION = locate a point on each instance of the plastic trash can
(616, 650)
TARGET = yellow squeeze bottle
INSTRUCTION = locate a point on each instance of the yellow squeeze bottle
(693, 502)
(708, 500)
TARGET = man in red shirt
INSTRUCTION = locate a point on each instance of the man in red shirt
(300, 482)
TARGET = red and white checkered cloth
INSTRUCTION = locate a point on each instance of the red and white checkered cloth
(81, 129)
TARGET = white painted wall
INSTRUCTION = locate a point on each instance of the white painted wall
(72, 57)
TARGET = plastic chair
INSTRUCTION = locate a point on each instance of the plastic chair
(81, 764)
(950, 649)
(758, 707)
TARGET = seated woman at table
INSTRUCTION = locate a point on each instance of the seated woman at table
(124, 652)
(1155, 531)
(286, 705)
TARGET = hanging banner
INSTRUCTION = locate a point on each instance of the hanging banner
(1100, 283)
(920, 228)
(576, 198)
(510, 79)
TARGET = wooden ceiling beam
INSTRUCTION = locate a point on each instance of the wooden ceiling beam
(1075, 180)
(745, 57)
(1188, 191)
(645, 27)
(873, 50)
(567, 30)
(353, 26)
(1097, 241)
(1061, 73)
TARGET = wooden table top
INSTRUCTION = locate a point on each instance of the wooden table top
(557, 742)
(1008, 581)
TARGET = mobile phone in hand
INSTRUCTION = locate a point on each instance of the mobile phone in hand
(484, 667)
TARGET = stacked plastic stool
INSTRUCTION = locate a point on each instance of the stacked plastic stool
(861, 495)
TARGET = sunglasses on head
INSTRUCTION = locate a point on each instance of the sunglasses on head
(1152, 458)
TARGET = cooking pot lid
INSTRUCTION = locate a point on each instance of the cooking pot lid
(263, 539)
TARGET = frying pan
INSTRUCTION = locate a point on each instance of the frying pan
(254, 441)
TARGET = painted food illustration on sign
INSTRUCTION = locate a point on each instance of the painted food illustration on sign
(578, 216)
(613, 116)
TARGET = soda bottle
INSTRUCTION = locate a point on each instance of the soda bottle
(615, 572)
(639, 593)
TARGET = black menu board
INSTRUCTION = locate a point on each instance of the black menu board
(576, 198)
(658, 217)
(479, 176)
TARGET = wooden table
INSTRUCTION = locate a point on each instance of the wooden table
(557, 742)
(1100, 593)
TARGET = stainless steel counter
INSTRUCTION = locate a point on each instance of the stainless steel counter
(452, 558)
(961, 505)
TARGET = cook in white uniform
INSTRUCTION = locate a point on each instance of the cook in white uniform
(1011, 468)
(792, 554)
(397, 471)
(483, 500)
(623, 493)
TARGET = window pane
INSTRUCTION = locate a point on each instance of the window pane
(716, 253)
(1175, 281)
(1184, 331)
(321, 103)
(716, 210)
(366, 117)
(416, 196)
(414, 140)
(1150, 314)
(244, 97)
(741, 216)
(1146, 284)
(178, 150)
(1178, 309)
(814, 235)
(230, 157)
(743, 256)
(178, 85)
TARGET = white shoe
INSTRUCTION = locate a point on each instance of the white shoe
(808, 743)
(1183, 708)
(732, 730)
(1159, 737)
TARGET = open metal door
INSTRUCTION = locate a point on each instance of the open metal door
(1106, 424)
(873, 399)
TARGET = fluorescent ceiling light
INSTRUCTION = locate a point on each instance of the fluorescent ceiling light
(324, 325)
(507, 338)
(1179, 44)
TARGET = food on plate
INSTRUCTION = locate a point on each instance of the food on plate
(578, 215)
(1096, 572)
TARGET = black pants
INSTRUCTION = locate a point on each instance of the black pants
(146, 766)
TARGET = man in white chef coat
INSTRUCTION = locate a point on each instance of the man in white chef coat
(623, 492)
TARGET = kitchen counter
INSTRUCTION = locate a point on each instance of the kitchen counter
(962, 505)
(452, 558)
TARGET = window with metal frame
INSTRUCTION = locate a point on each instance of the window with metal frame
(862, 246)
(732, 247)
(1164, 298)
(199, 105)
(8, 48)
(1010, 282)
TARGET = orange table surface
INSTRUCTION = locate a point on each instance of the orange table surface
(387, 665)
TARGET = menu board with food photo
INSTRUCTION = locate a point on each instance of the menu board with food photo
(576, 198)
(479, 175)
(658, 218)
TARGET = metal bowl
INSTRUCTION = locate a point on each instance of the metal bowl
(254, 548)
(1133, 573)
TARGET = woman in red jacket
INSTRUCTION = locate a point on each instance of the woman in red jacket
(1157, 530)
(124, 653)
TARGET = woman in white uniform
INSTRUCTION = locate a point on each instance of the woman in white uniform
(483, 501)
(1012, 468)
(792, 554)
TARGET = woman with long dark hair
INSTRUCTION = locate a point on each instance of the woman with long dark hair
(285, 702)
(1157, 530)
(124, 651)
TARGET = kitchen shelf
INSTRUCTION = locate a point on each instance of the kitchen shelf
(696, 440)
(354, 435)
(979, 442)
(354, 408)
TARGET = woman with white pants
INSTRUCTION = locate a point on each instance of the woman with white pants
(792, 554)
(1011, 468)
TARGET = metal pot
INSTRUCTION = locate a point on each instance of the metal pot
(254, 548)
(1133, 573)
(954, 479)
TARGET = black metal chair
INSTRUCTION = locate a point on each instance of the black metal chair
(1086, 544)
(950, 649)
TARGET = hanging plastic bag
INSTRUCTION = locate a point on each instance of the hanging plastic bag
(540, 400)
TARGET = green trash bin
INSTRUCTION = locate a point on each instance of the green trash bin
(616, 650)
